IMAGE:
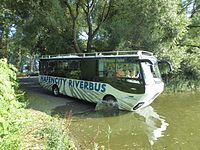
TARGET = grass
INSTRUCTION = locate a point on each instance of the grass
(45, 132)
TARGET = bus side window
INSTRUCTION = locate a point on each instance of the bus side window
(43, 67)
(51, 68)
(106, 68)
(110, 73)
(73, 70)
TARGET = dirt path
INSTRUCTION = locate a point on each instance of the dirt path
(42, 100)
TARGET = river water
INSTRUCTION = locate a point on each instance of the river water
(172, 122)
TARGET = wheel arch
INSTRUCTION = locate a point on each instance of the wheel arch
(109, 96)
(53, 86)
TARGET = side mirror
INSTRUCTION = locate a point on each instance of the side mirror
(165, 66)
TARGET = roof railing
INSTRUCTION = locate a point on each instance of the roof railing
(97, 54)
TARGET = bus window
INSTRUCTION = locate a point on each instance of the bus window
(148, 76)
(106, 68)
(43, 67)
(52, 67)
(126, 68)
(121, 67)
(73, 70)
(62, 68)
(155, 70)
(121, 73)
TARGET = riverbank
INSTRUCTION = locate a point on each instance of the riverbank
(47, 109)
(182, 86)
(178, 83)
(45, 132)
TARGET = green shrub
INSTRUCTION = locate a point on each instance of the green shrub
(55, 136)
(179, 82)
(18, 126)
(11, 110)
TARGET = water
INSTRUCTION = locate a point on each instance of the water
(172, 122)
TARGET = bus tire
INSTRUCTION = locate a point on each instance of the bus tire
(55, 90)
(110, 101)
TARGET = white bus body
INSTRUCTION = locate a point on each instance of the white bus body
(129, 79)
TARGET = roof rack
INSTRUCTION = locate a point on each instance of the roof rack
(100, 54)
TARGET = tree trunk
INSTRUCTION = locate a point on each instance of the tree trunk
(89, 43)
(74, 15)
(75, 42)
(32, 62)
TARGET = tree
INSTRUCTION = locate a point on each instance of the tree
(193, 10)
(191, 64)
(87, 16)
(7, 19)
(156, 26)
(96, 13)
(41, 28)
(74, 9)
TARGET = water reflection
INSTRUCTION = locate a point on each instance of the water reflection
(128, 128)
(155, 124)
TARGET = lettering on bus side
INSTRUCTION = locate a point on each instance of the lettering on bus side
(85, 85)
(53, 80)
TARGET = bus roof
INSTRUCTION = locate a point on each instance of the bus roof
(111, 54)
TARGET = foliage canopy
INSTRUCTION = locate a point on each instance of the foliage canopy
(167, 28)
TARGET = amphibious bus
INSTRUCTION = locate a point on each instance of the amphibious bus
(129, 80)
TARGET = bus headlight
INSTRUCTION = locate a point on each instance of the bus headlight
(138, 105)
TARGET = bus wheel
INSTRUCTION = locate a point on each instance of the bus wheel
(110, 101)
(55, 90)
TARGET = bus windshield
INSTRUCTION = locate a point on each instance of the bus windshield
(156, 71)
(151, 73)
